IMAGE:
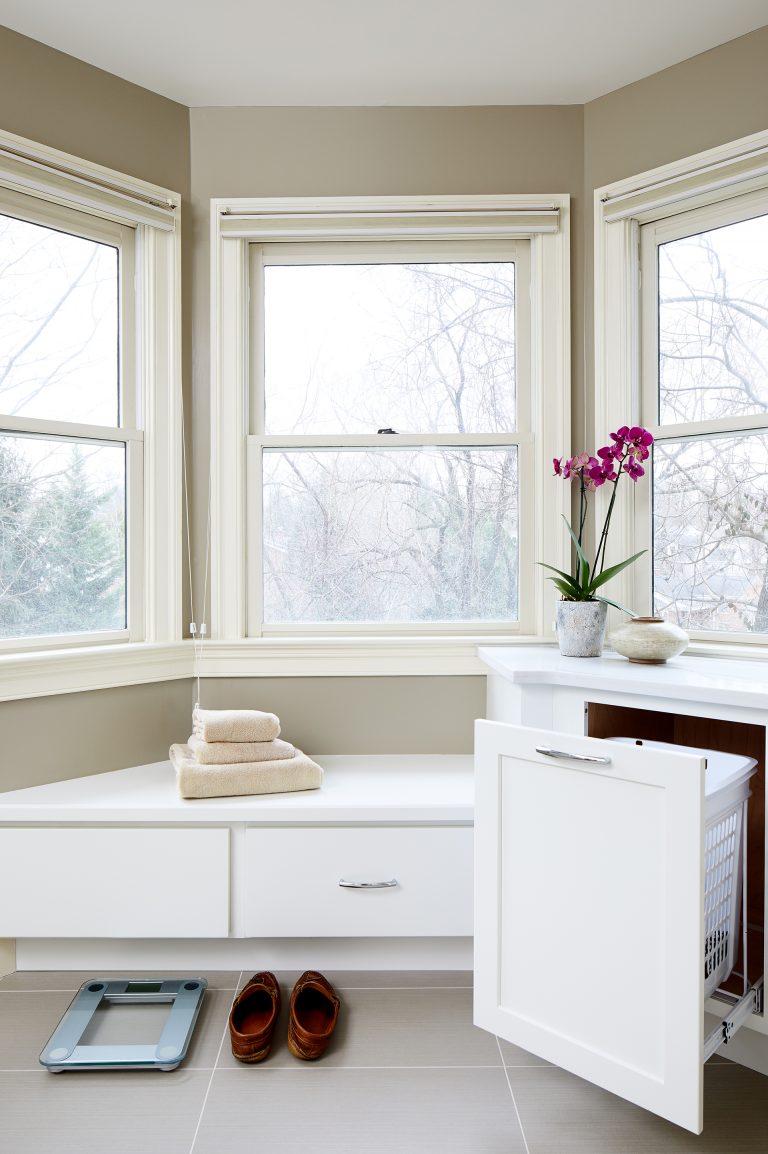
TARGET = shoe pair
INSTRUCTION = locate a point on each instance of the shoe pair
(314, 1011)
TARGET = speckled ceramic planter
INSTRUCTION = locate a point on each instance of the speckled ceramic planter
(581, 627)
(649, 640)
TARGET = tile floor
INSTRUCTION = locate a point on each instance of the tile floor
(407, 1073)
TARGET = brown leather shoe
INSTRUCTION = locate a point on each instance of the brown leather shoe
(313, 1017)
(253, 1016)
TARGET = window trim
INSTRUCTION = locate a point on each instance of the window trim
(64, 183)
(709, 178)
(543, 220)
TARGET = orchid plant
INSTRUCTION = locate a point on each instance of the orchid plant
(624, 456)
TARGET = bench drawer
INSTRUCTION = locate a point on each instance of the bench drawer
(292, 881)
(114, 883)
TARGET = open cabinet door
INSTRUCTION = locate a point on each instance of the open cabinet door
(589, 883)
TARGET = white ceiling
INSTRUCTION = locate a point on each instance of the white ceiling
(393, 52)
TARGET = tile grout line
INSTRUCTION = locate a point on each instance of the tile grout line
(215, 1064)
(512, 1096)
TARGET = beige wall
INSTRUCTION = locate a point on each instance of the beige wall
(711, 99)
(73, 734)
(60, 101)
(361, 714)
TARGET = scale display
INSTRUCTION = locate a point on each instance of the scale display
(129, 1024)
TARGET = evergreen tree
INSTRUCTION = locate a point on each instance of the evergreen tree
(83, 582)
(21, 559)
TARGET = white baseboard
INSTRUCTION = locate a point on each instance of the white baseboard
(245, 953)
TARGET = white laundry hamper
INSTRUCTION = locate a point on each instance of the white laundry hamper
(726, 795)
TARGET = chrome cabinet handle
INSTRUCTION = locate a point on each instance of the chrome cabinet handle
(368, 885)
(572, 756)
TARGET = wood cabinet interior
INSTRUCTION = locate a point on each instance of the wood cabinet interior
(729, 737)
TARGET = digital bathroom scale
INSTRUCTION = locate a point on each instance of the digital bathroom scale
(130, 1024)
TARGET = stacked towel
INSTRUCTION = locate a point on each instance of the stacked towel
(284, 776)
(237, 751)
(232, 752)
(234, 725)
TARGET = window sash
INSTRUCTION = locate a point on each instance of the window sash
(257, 627)
(414, 252)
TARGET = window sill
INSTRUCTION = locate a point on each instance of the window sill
(350, 656)
(79, 670)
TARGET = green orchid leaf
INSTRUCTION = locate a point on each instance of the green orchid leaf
(614, 569)
(579, 551)
(569, 591)
(561, 572)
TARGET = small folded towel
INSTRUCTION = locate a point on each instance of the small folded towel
(235, 752)
(285, 776)
(235, 725)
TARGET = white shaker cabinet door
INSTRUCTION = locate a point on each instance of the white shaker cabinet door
(589, 882)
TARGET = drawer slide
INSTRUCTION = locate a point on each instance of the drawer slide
(741, 1009)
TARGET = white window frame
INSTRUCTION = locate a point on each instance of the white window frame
(236, 225)
(67, 189)
(708, 180)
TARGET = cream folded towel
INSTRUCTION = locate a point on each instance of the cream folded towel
(284, 776)
(234, 725)
(235, 752)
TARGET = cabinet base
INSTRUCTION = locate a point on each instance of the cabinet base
(245, 953)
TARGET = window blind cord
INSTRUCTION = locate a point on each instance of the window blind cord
(203, 627)
(196, 634)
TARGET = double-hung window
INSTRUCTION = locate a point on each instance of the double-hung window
(705, 388)
(70, 448)
(390, 464)
(90, 424)
(388, 376)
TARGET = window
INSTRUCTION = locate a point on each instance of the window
(681, 340)
(90, 424)
(386, 375)
(67, 421)
(705, 386)
(391, 435)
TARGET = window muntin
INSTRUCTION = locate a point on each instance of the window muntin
(67, 505)
(481, 371)
(705, 389)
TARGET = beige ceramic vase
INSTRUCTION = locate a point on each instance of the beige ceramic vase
(649, 640)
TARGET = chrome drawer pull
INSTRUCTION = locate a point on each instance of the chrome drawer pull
(368, 885)
(572, 756)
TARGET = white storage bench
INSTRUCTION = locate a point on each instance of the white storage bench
(120, 857)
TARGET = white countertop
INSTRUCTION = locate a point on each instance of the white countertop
(685, 678)
(416, 788)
